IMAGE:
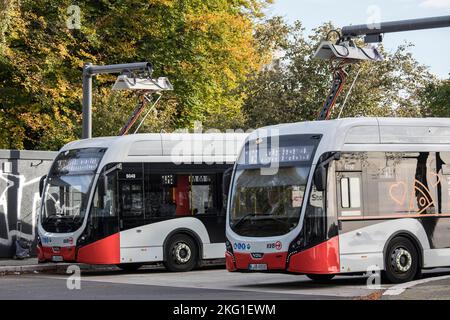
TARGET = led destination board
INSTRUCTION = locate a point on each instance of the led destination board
(75, 161)
(285, 150)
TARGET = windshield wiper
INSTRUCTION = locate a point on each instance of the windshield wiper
(249, 215)
(280, 221)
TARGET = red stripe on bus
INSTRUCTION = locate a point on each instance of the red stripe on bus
(321, 259)
(104, 251)
(229, 262)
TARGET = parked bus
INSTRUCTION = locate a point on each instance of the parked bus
(346, 196)
(137, 199)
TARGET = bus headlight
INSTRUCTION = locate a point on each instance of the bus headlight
(82, 239)
(297, 244)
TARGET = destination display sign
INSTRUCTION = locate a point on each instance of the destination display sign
(284, 149)
(280, 154)
(77, 161)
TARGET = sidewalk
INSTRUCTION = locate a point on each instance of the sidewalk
(28, 265)
(31, 265)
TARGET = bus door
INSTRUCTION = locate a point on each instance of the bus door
(131, 195)
(351, 214)
(207, 203)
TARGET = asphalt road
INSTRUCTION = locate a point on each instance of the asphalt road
(209, 283)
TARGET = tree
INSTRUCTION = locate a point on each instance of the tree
(295, 86)
(436, 99)
(205, 47)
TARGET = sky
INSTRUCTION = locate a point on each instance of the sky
(431, 47)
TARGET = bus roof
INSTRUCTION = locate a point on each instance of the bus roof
(370, 134)
(166, 147)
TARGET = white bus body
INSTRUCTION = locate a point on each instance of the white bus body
(385, 202)
(137, 199)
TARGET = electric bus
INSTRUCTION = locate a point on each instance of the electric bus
(346, 196)
(138, 199)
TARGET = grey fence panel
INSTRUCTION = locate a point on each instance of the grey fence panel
(20, 172)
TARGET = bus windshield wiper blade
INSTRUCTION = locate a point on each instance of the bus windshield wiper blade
(279, 220)
(249, 215)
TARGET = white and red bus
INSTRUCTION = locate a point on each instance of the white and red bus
(137, 199)
(346, 196)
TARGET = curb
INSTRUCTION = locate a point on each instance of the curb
(61, 267)
(57, 267)
(31, 268)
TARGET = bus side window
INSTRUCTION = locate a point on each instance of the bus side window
(131, 190)
(203, 192)
(180, 194)
(160, 197)
(350, 194)
(345, 193)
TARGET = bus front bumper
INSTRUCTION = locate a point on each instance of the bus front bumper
(246, 262)
(56, 254)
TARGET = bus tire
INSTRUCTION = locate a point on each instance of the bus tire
(320, 277)
(181, 253)
(129, 266)
(401, 261)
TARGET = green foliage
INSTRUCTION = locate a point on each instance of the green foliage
(436, 99)
(205, 47)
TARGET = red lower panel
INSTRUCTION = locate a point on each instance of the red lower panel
(47, 253)
(274, 261)
(323, 258)
(105, 251)
(40, 254)
(229, 262)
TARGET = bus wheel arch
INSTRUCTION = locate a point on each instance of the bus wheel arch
(186, 240)
(405, 245)
(411, 237)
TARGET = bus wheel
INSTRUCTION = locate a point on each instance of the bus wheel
(129, 266)
(320, 277)
(181, 253)
(401, 261)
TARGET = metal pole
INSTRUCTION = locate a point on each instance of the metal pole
(396, 26)
(87, 102)
(118, 68)
(89, 70)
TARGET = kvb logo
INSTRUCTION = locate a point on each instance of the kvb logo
(278, 245)
(275, 245)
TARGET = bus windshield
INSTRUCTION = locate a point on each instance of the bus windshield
(68, 187)
(265, 205)
(268, 203)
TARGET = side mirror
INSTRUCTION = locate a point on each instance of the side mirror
(41, 185)
(320, 178)
(320, 174)
(226, 180)
(102, 181)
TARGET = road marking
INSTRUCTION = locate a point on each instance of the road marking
(400, 288)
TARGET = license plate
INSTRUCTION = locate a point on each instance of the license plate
(57, 259)
(257, 266)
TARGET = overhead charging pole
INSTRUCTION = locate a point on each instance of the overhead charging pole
(373, 32)
(345, 52)
(90, 70)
